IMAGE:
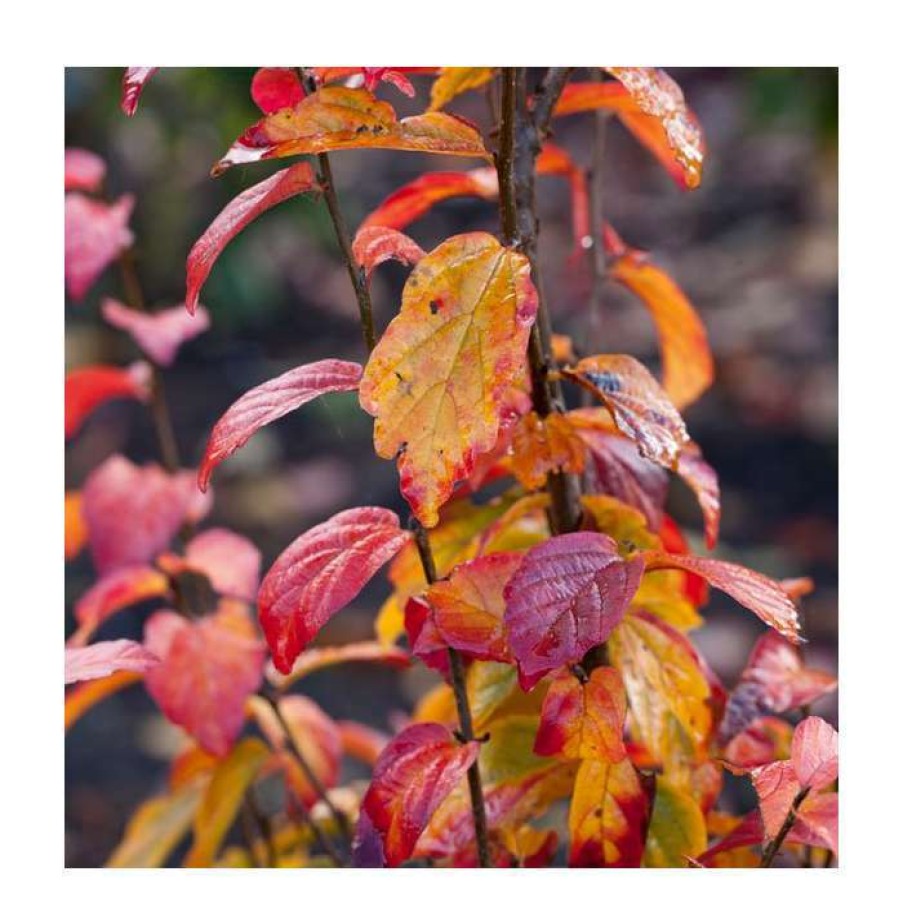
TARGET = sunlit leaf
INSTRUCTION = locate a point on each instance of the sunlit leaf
(133, 82)
(437, 380)
(321, 572)
(677, 829)
(455, 80)
(87, 388)
(237, 214)
(103, 659)
(96, 234)
(271, 400)
(374, 245)
(276, 88)
(336, 118)
(814, 753)
(84, 170)
(566, 597)
(159, 334)
(208, 669)
(412, 777)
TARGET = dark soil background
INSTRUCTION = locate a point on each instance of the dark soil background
(755, 248)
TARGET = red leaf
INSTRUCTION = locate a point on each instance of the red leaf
(89, 387)
(159, 334)
(374, 245)
(814, 753)
(237, 214)
(268, 402)
(566, 597)
(85, 171)
(584, 720)
(701, 477)
(424, 638)
(763, 596)
(468, 607)
(748, 833)
(639, 406)
(208, 669)
(132, 513)
(412, 777)
(133, 83)
(320, 573)
(764, 740)
(230, 561)
(275, 89)
(103, 659)
(96, 234)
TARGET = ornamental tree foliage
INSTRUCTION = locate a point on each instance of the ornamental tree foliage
(558, 614)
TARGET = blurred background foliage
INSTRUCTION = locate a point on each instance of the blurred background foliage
(755, 249)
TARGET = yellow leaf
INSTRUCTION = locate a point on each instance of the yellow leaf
(455, 80)
(437, 381)
(677, 829)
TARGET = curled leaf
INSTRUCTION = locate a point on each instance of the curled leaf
(275, 89)
(86, 695)
(133, 82)
(103, 659)
(374, 245)
(455, 80)
(96, 234)
(87, 388)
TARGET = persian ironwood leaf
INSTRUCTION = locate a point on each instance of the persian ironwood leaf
(237, 214)
(438, 380)
(132, 512)
(413, 775)
(701, 477)
(373, 75)
(763, 596)
(313, 660)
(566, 597)
(76, 532)
(156, 828)
(609, 815)
(320, 573)
(208, 669)
(159, 334)
(223, 798)
(374, 245)
(816, 823)
(86, 695)
(454, 80)
(133, 82)
(584, 719)
(639, 406)
(686, 359)
(89, 387)
(268, 402)
(424, 638)
(276, 88)
(814, 753)
(96, 234)
(336, 118)
(84, 170)
(230, 561)
(777, 787)
(677, 829)
(542, 445)
(103, 659)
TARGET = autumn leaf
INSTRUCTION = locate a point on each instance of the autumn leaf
(639, 406)
(133, 82)
(336, 118)
(103, 659)
(76, 532)
(438, 378)
(468, 607)
(413, 775)
(87, 388)
(373, 75)
(82, 698)
(566, 597)
(320, 573)
(275, 89)
(609, 815)
(542, 445)
(686, 358)
(814, 753)
(763, 596)
(313, 660)
(96, 234)
(236, 215)
(455, 80)
(374, 245)
(584, 719)
(763, 741)
(268, 402)
(701, 477)
(84, 170)
(677, 829)
(208, 669)
(222, 799)
(159, 334)
(362, 742)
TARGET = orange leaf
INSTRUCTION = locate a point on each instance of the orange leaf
(86, 695)
(374, 245)
(686, 358)
(455, 80)
(584, 719)
(609, 815)
(89, 387)
(437, 380)
(76, 531)
(640, 407)
(361, 741)
(541, 445)
(335, 118)
(313, 660)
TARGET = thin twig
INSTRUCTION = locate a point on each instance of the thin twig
(465, 719)
(263, 827)
(772, 849)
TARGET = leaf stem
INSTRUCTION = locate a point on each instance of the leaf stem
(465, 719)
(772, 849)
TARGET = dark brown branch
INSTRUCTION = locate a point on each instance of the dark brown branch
(263, 826)
(465, 719)
(597, 224)
(772, 849)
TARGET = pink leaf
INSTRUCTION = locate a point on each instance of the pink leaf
(814, 753)
(237, 214)
(320, 573)
(96, 234)
(374, 245)
(85, 171)
(271, 400)
(275, 89)
(567, 596)
(159, 334)
(230, 561)
(102, 659)
(133, 83)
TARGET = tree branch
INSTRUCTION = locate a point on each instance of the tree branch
(772, 849)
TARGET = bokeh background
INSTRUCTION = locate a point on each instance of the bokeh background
(755, 249)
